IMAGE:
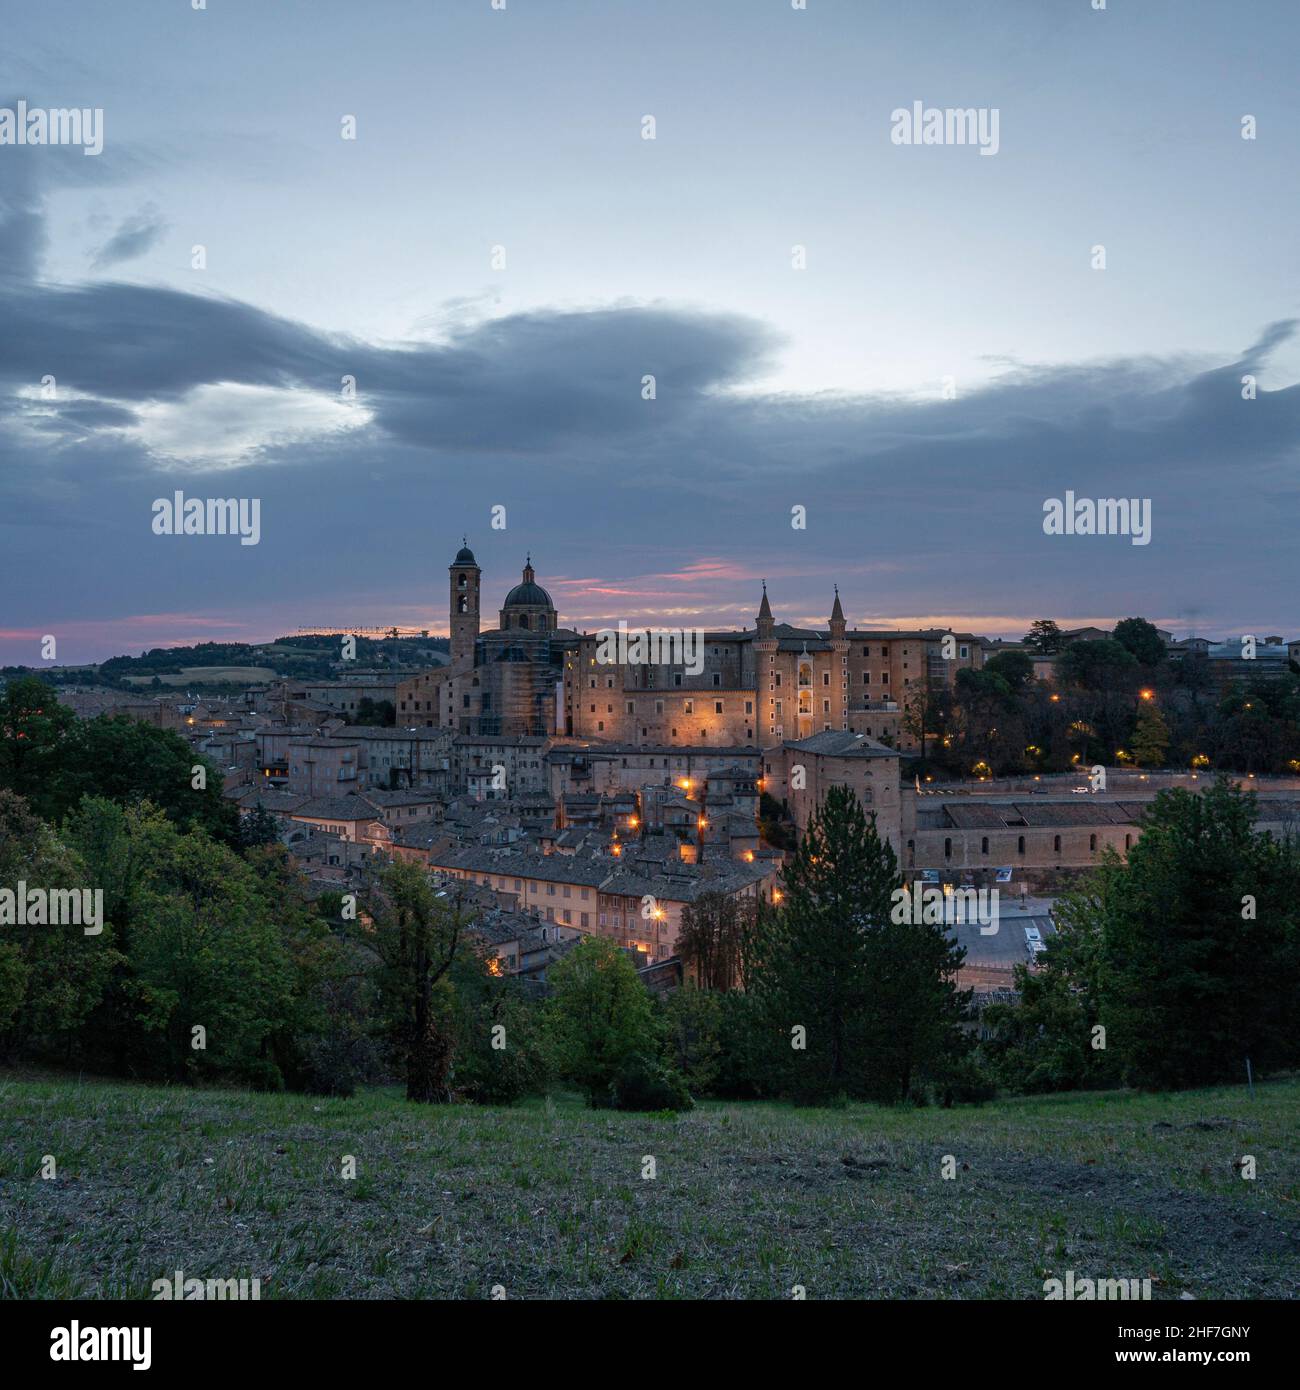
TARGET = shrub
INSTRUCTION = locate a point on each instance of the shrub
(644, 1083)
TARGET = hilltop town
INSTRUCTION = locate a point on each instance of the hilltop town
(558, 794)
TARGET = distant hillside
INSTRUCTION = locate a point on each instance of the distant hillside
(216, 665)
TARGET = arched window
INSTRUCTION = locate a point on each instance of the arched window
(1092, 843)
(984, 845)
(947, 849)
(462, 604)
(1020, 844)
(1056, 843)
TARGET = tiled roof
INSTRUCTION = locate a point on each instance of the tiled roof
(349, 807)
(840, 743)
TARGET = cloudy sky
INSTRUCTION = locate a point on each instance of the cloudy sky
(946, 360)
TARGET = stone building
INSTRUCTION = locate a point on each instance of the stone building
(764, 685)
(500, 681)
(800, 772)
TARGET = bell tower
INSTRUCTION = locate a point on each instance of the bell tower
(465, 575)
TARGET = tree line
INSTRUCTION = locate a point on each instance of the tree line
(219, 963)
(1114, 700)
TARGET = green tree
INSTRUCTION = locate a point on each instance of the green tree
(1015, 668)
(714, 931)
(206, 944)
(811, 959)
(60, 971)
(124, 850)
(1044, 637)
(326, 1042)
(257, 829)
(599, 1016)
(1104, 665)
(1202, 946)
(1150, 737)
(1141, 639)
(13, 985)
(1049, 1040)
(416, 933)
(127, 761)
(33, 729)
(693, 1028)
(500, 1047)
(916, 1011)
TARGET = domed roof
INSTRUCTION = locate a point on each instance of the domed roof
(465, 556)
(528, 595)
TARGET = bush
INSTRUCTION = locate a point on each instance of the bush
(694, 1019)
(644, 1083)
(963, 1081)
(503, 1074)
(340, 1054)
(746, 1050)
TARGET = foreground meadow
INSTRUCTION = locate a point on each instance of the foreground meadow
(551, 1200)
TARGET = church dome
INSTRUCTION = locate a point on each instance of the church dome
(528, 595)
(464, 556)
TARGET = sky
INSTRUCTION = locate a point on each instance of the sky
(908, 347)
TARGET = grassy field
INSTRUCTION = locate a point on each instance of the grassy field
(549, 1199)
(208, 675)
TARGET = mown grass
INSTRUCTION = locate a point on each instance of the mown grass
(548, 1199)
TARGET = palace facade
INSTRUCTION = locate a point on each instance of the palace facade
(756, 687)
(767, 684)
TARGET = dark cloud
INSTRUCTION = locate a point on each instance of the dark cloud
(918, 506)
(138, 234)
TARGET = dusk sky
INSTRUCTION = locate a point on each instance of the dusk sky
(776, 387)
